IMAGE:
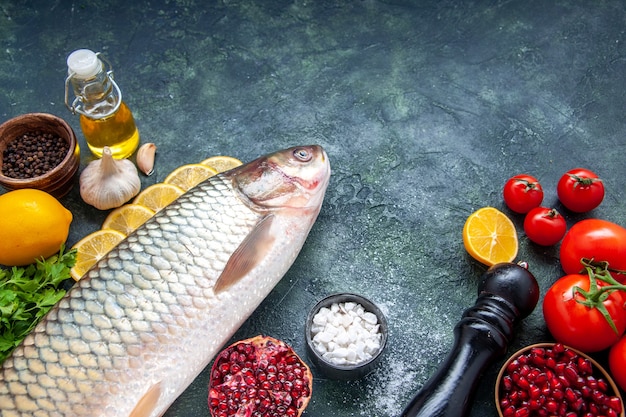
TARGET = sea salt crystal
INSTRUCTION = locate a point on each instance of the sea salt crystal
(346, 334)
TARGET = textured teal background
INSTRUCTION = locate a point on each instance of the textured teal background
(424, 107)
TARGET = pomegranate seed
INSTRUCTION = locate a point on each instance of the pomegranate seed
(570, 395)
(507, 383)
(534, 392)
(603, 385)
(614, 403)
(541, 378)
(538, 361)
(598, 397)
(570, 373)
(585, 367)
(592, 382)
(522, 412)
(556, 384)
(578, 404)
(538, 351)
(509, 411)
(535, 404)
(523, 383)
(551, 406)
(564, 381)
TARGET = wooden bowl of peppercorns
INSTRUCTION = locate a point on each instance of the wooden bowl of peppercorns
(38, 150)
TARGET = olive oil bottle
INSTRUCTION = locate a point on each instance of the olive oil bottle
(105, 119)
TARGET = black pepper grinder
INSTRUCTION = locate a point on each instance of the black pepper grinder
(507, 293)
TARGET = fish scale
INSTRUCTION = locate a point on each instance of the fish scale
(133, 333)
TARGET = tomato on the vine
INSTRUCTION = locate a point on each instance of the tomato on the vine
(600, 240)
(578, 313)
(617, 362)
(544, 226)
(580, 190)
(522, 193)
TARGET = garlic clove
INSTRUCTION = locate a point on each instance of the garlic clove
(145, 158)
(108, 183)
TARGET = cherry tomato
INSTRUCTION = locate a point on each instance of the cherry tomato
(580, 190)
(522, 193)
(617, 362)
(576, 325)
(596, 239)
(544, 226)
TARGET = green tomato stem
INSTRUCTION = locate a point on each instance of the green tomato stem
(598, 294)
(583, 181)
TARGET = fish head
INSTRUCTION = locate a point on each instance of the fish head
(294, 178)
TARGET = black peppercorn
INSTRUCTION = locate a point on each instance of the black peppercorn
(33, 154)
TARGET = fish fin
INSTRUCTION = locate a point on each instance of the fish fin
(146, 404)
(248, 255)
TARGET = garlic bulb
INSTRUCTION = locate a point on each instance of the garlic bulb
(108, 183)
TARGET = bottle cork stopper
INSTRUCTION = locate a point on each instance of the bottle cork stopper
(84, 63)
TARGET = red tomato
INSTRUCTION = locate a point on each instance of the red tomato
(596, 239)
(617, 362)
(580, 190)
(544, 226)
(522, 193)
(576, 325)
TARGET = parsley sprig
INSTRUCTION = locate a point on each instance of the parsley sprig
(27, 294)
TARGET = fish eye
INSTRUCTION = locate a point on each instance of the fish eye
(302, 155)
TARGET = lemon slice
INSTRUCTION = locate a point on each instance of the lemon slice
(489, 236)
(157, 196)
(188, 176)
(221, 163)
(92, 248)
(127, 218)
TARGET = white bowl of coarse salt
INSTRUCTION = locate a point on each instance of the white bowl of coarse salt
(346, 335)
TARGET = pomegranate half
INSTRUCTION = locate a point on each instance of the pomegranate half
(260, 376)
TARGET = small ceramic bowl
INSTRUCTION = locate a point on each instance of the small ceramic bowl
(347, 370)
(61, 178)
(598, 372)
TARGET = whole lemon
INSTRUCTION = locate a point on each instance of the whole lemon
(33, 224)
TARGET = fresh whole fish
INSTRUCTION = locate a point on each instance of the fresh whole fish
(130, 336)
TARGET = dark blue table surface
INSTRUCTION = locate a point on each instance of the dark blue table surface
(425, 108)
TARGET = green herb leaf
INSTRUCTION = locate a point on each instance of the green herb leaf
(27, 294)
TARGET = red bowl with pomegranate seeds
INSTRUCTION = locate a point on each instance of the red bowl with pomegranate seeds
(550, 379)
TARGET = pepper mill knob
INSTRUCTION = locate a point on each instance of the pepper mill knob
(507, 293)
